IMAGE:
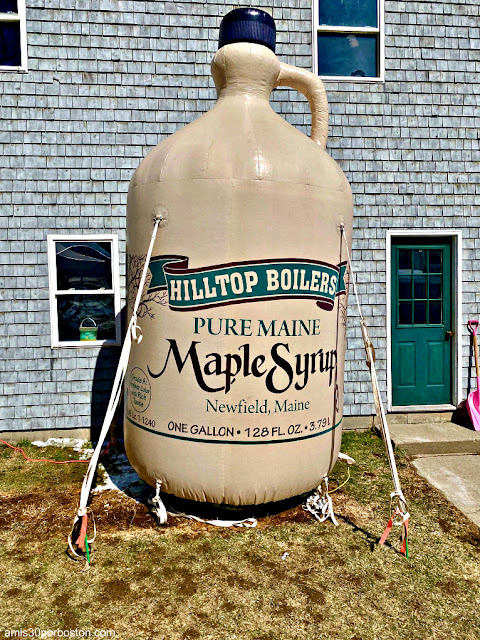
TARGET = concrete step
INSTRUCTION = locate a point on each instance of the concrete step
(423, 417)
(434, 438)
(360, 423)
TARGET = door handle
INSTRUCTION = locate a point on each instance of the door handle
(449, 334)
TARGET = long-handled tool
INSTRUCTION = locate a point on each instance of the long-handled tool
(473, 400)
(398, 506)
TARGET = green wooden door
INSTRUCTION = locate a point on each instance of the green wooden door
(421, 322)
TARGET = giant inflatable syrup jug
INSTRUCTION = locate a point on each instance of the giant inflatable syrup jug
(235, 393)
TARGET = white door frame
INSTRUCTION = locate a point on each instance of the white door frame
(434, 234)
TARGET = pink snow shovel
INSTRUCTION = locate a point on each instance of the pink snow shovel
(473, 400)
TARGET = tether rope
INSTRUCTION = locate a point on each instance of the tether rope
(398, 504)
(80, 520)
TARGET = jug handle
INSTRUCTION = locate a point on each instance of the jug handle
(312, 88)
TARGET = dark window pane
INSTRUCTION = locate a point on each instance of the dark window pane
(435, 286)
(10, 54)
(404, 286)
(420, 312)
(341, 54)
(84, 265)
(72, 310)
(405, 313)
(435, 261)
(405, 260)
(435, 312)
(420, 287)
(8, 6)
(419, 261)
(349, 13)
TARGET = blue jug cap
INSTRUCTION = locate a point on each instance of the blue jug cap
(247, 25)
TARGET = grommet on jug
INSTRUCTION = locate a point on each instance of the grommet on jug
(160, 214)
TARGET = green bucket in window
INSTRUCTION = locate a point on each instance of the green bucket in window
(88, 333)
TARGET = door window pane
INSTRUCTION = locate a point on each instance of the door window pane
(420, 312)
(73, 309)
(404, 260)
(10, 52)
(350, 13)
(419, 261)
(435, 312)
(404, 286)
(347, 54)
(435, 261)
(420, 287)
(405, 313)
(435, 286)
(84, 265)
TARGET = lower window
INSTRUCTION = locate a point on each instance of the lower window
(84, 290)
(13, 36)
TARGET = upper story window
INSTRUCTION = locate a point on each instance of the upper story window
(84, 290)
(13, 36)
(348, 39)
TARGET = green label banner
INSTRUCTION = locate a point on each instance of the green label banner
(250, 281)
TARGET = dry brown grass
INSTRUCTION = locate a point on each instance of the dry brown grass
(188, 580)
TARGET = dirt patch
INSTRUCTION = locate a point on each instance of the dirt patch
(53, 511)
(61, 601)
(187, 588)
(69, 620)
(313, 595)
(378, 575)
(448, 586)
(295, 515)
(445, 526)
(263, 564)
(471, 535)
(240, 582)
(114, 591)
(283, 609)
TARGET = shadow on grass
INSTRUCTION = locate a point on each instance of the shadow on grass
(371, 540)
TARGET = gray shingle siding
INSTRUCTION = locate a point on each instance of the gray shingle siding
(108, 80)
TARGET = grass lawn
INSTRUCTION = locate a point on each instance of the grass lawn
(187, 580)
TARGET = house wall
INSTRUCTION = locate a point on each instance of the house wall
(108, 80)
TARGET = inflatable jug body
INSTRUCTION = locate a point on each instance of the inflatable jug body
(235, 393)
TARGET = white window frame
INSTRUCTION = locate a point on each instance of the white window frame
(54, 293)
(317, 28)
(20, 17)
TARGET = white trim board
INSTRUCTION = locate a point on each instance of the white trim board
(456, 237)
